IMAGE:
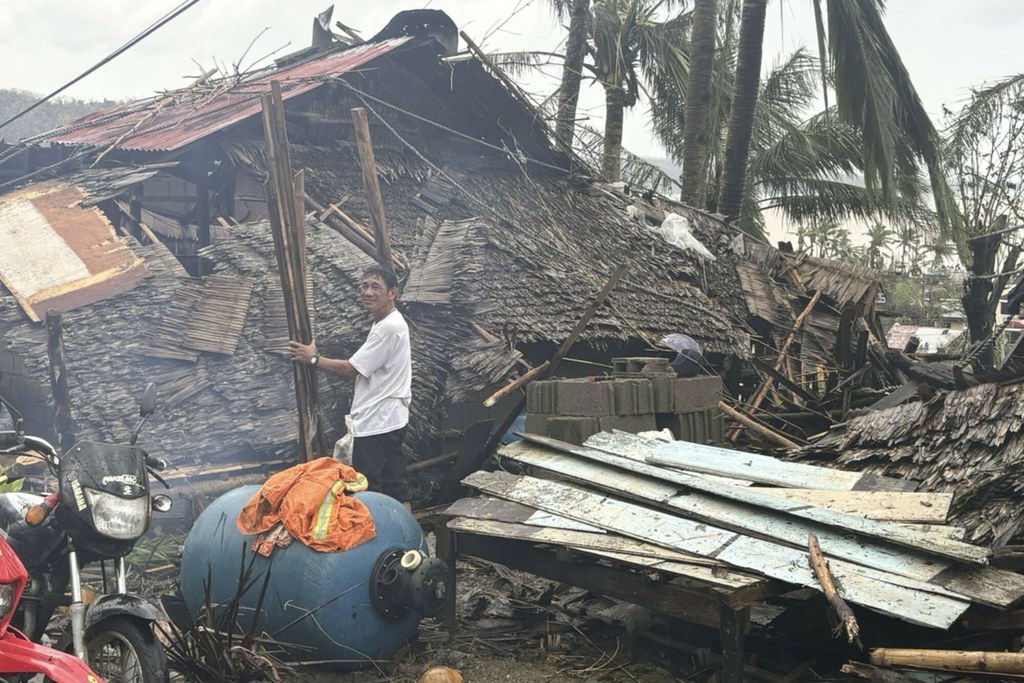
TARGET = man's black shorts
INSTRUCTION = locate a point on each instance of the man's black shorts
(381, 460)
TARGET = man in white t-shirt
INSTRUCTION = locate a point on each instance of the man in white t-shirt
(382, 370)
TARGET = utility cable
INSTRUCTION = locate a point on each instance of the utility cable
(131, 43)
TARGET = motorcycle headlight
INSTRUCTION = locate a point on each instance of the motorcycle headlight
(120, 518)
(6, 598)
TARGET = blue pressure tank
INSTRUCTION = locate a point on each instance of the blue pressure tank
(350, 607)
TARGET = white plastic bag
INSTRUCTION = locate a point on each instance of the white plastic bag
(343, 446)
(675, 230)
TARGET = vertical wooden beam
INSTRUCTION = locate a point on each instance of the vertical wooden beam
(286, 210)
(446, 552)
(203, 215)
(370, 183)
(63, 423)
(733, 635)
(135, 209)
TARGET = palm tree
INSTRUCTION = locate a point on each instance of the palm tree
(631, 48)
(908, 238)
(744, 103)
(874, 95)
(806, 168)
(879, 237)
(698, 96)
(572, 69)
(984, 157)
(827, 239)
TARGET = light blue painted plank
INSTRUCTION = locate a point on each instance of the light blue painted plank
(725, 462)
(889, 532)
(860, 585)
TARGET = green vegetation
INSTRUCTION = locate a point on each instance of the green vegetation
(53, 114)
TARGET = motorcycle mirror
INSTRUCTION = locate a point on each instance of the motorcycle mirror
(148, 403)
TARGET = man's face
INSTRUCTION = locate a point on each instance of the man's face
(376, 295)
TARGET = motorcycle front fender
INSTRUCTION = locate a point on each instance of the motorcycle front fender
(24, 656)
(122, 604)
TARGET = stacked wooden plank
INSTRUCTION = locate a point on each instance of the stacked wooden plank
(695, 510)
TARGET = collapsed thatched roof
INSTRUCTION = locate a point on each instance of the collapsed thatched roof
(532, 250)
(968, 442)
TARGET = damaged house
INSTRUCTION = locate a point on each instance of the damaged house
(500, 234)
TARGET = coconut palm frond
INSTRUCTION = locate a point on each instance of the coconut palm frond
(804, 199)
(874, 91)
(983, 106)
(519, 64)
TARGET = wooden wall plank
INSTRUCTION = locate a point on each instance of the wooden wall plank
(889, 532)
(911, 601)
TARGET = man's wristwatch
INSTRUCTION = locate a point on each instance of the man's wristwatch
(314, 360)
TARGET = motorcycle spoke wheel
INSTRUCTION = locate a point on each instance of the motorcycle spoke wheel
(121, 652)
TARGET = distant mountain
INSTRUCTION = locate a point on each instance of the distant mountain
(47, 116)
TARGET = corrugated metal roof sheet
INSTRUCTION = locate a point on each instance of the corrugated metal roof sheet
(171, 121)
(58, 254)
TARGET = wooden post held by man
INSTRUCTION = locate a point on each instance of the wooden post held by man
(286, 209)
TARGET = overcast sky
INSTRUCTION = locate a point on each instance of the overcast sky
(947, 45)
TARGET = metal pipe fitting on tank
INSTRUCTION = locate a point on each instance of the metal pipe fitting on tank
(405, 580)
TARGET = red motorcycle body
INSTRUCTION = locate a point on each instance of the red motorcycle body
(21, 656)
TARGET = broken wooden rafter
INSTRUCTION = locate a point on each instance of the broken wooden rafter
(766, 383)
(548, 367)
(452, 487)
(518, 382)
(374, 202)
(847, 619)
(761, 429)
(342, 223)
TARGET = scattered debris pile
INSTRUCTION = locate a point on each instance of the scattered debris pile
(704, 533)
(820, 349)
(965, 442)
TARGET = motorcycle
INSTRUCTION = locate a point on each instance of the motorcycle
(20, 658)
(101, 507)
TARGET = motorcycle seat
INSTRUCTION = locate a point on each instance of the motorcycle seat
(14, 505)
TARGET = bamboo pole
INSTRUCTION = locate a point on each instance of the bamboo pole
(950, 660)
(373, 199)
(757, 427)
(762, 390)
(847, 619)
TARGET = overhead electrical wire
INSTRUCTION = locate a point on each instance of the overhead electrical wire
(177, 11)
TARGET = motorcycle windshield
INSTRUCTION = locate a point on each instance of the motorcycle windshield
(118, 469)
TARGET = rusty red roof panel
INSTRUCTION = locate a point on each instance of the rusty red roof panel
(169, 122)
(61, 254)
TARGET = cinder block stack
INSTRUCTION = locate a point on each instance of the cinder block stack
(643, 394)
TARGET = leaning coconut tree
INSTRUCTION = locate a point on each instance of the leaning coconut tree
(983, 154)
(873, 94)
